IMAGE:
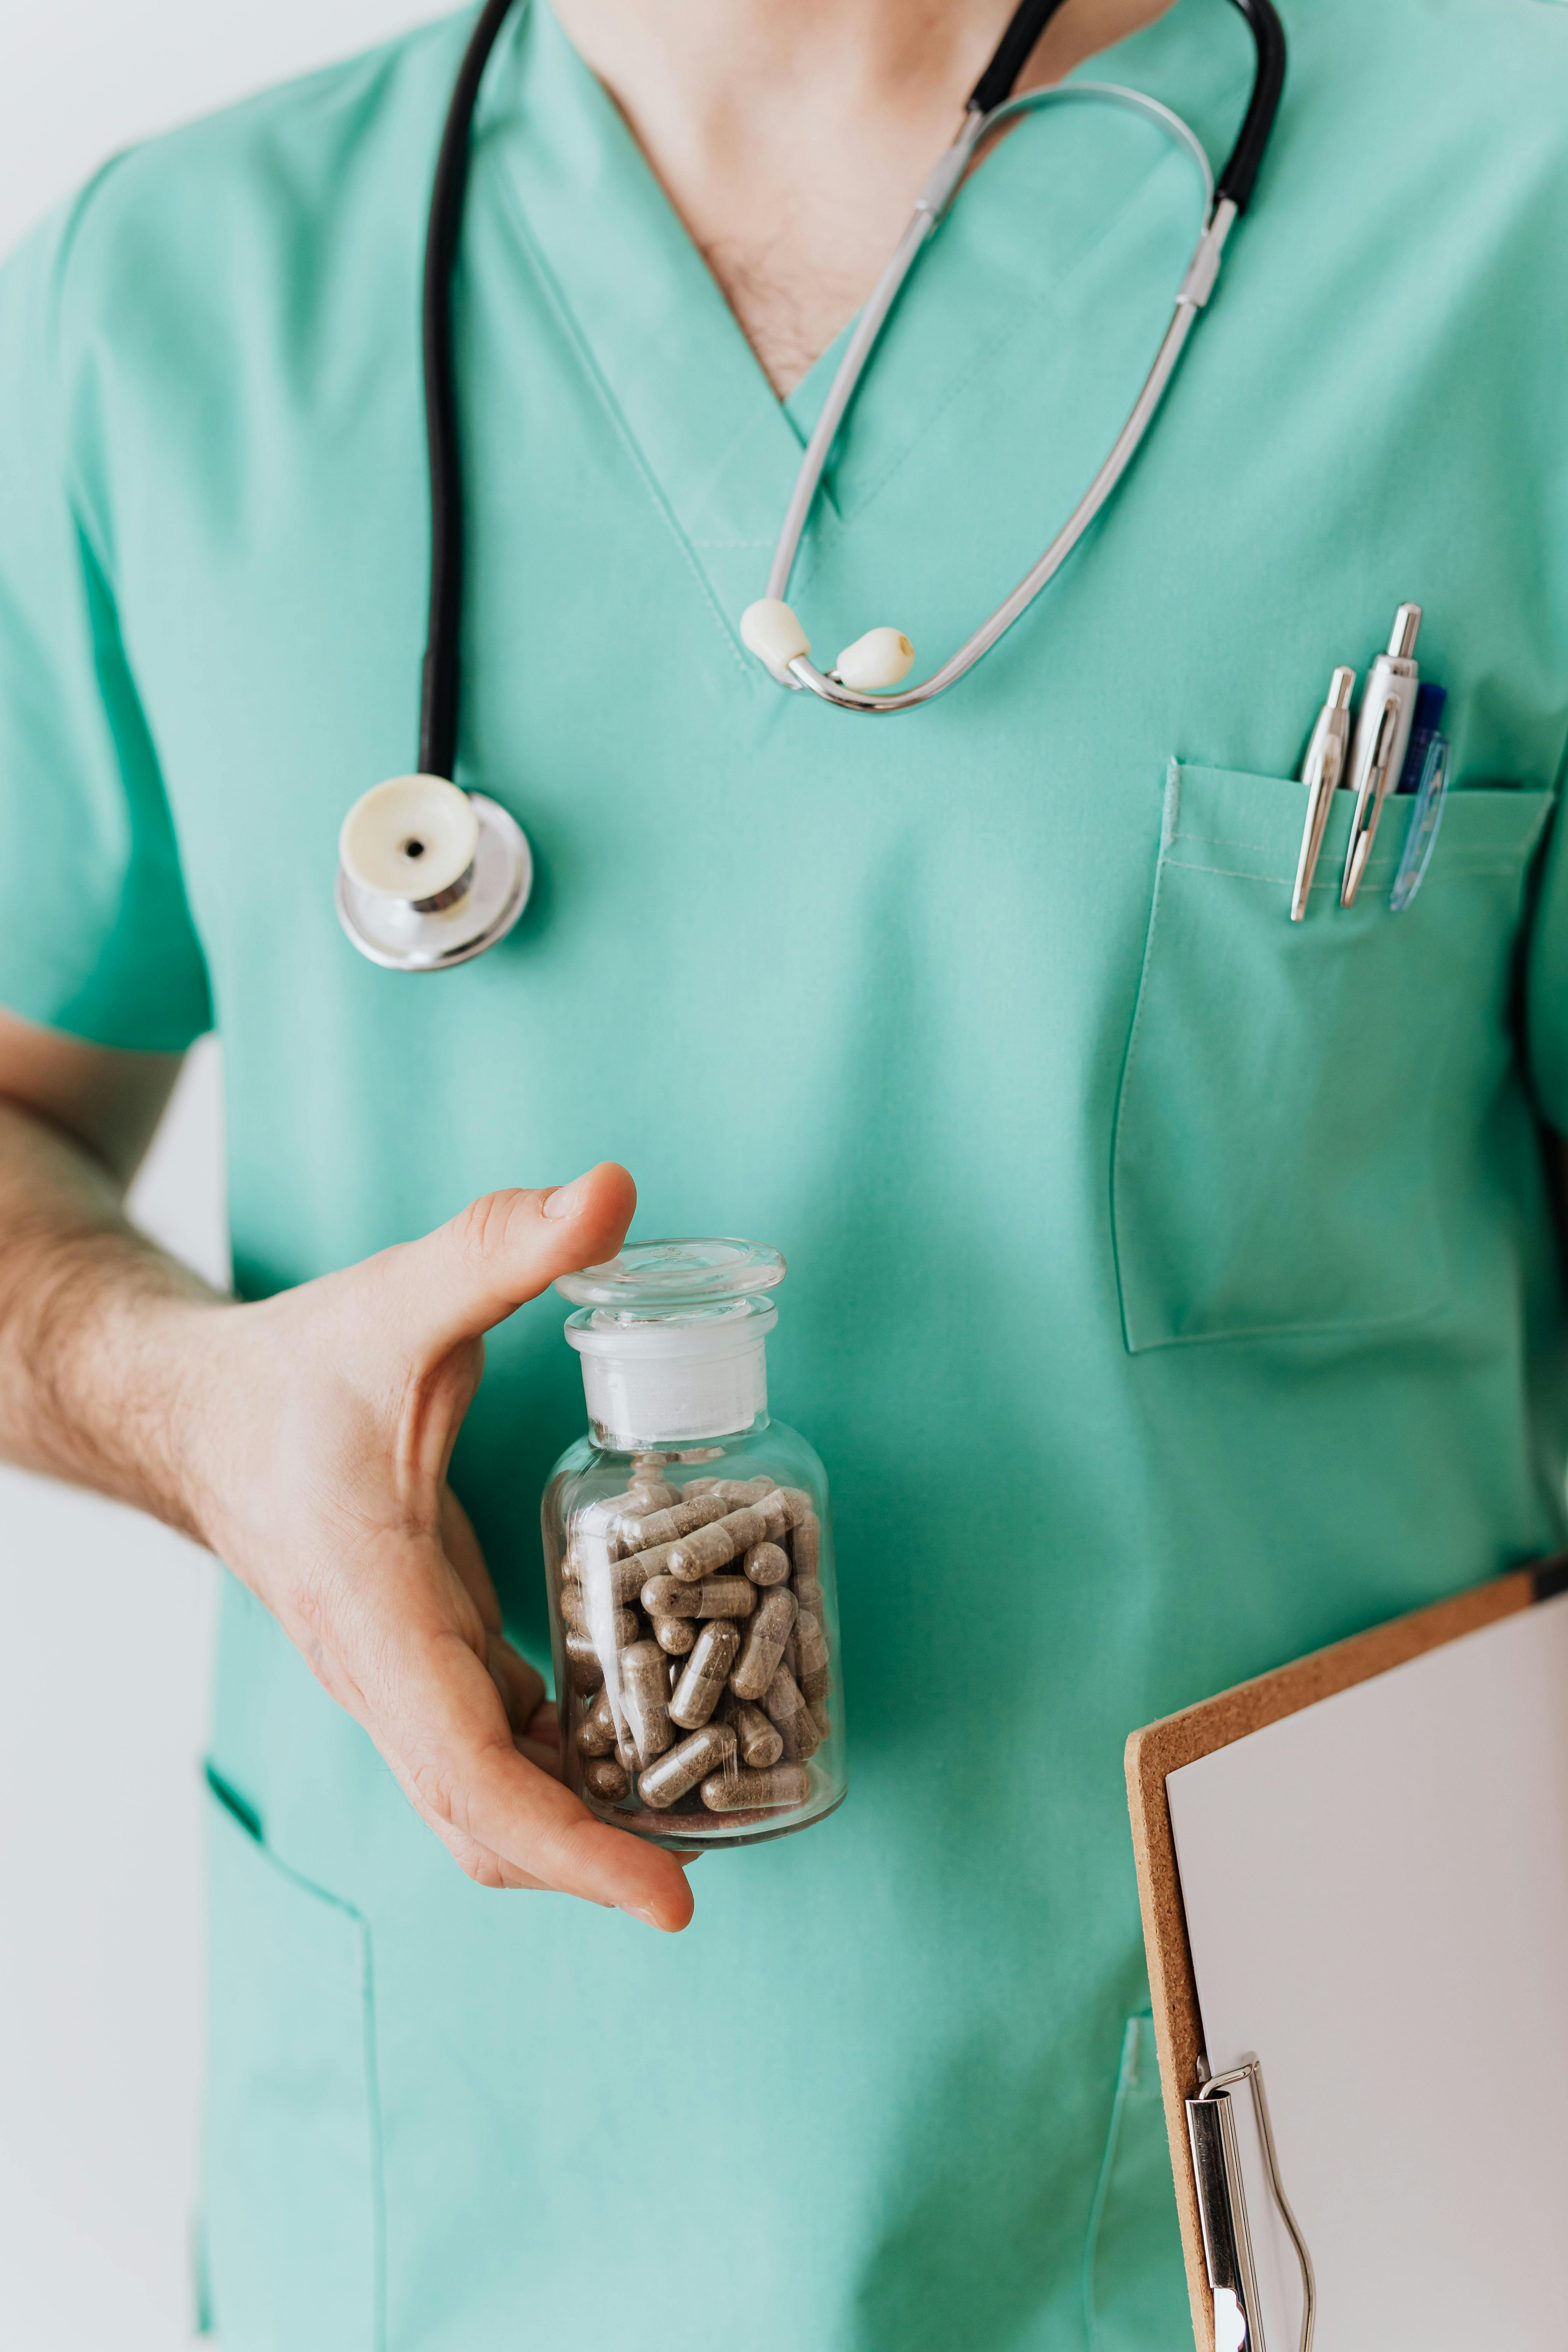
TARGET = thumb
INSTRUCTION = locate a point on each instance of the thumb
(503, 1249)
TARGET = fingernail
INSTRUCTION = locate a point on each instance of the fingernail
(567, 1199)
(633, 1913)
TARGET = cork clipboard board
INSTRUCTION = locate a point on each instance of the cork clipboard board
(1163, 1748)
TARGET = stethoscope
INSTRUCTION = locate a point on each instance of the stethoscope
(430, 875)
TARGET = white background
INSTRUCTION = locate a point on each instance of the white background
(105, 1618)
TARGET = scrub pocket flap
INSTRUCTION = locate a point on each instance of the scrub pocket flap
(292, 2222)
(1273, 1167)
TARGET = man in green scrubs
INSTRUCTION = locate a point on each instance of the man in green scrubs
(1172, 1286)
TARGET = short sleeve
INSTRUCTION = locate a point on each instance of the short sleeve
(96, 935)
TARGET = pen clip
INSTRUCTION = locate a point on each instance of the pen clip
(1369, 802)
(1320, 772)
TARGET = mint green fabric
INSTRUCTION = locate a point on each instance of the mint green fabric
(1171, 1290)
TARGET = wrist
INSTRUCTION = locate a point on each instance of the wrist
(193, 1444)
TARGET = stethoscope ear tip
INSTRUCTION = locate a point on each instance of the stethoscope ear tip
(879, 660)
(769, 629)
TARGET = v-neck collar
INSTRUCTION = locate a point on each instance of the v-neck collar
(650, 324)
(717, 446)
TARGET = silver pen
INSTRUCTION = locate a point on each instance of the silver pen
(1320, 772)
(1382, 736)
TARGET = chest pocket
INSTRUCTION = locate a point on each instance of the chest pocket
(1291, 1089)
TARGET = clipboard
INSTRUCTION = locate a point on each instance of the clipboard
(1201, 2112)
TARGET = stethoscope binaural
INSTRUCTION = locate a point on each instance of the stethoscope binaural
(430, 875)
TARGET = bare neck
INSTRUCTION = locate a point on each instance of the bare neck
(791, 140)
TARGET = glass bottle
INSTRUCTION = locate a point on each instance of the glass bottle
(688, 1556)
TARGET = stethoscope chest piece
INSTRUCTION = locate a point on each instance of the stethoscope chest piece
(429, 875)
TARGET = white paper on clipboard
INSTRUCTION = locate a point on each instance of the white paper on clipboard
(1375, 1890)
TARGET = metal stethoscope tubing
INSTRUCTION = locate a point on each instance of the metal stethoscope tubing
(769, 627)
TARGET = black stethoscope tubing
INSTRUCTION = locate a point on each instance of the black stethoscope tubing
(441, 677)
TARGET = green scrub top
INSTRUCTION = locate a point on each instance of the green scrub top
(1171, 1289)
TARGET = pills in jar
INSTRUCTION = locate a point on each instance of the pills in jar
(761, 1743)
(765, 1644)
(698, 1692)
(583, 1660)
(811, 1652)
(716, 1596)
(645, 1697)
(786, 1709)
(785, 1784)
(698, 1655)
(682, 1769)
(597, 1731)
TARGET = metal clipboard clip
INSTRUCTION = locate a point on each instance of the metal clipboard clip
(1222, 2210)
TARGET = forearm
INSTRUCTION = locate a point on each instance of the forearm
(100, 1332)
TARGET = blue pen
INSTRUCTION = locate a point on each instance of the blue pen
(1424, 774)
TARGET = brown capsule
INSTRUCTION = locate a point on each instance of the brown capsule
(806, 1545)
(626, 1748)
(654, 1494)
(614, 1583)
(811, 1651)
(724, 1596)
(711, 1750)
(761, 1743)
(583, 1660)
(821, 1717)
(617, 1625)
(707, 1671)
(765, 1639)
(739, 1793)
(596, 1523)
(783, 1707)
(666, 1596)
(661, 1527)
(715, 1545)
(695, 1487)
(603, 1778)
(738, 1493)
(716, 1596)
(766, 1563)
(808, 1592)
(597, 1731)
(675, 1635)
(645, 1699)
(765, 1520)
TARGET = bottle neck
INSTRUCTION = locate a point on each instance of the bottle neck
(653, 1383)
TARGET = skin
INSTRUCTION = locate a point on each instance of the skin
(306, 1438)
(792, 141)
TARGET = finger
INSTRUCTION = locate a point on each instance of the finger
(440, 1721)
(461, 1546)
(459, 1281)
(545, 1725)
(487, 1869)
(520, 1684)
